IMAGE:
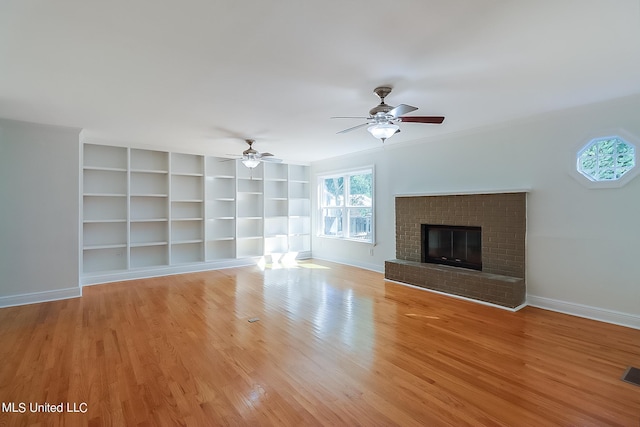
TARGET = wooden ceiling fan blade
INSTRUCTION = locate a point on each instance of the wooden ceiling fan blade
(402, 109)
(354, 128)
(422, 119)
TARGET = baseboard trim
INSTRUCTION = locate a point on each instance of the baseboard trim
(363, 265)
(588, 312)
(121, 276)
(38, 297)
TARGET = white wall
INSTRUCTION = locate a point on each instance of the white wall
(582, 244)
(39, 212)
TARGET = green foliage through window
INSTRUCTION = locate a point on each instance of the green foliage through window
(347, 205)
(606, 159)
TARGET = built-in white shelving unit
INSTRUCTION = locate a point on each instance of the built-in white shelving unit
(149, 207)
(220, 227)
(276, 241)
(250, 211)
(299, 209)
(105, 208)
(187, 208)
(148, 212)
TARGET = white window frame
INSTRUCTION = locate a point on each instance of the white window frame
(594, 138)
(345, 208)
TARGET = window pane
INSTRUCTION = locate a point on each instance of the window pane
(347, 205)
(607, 147)
(360, 223)
(606, 159)
(332, 222)
(333, 192)
(360, 190)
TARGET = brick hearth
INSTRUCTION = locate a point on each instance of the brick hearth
(503, 220)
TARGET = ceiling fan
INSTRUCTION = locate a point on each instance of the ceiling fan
(383, 119)
(252, 158)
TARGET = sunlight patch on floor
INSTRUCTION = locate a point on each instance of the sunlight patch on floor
(286, 261)
(312, 265)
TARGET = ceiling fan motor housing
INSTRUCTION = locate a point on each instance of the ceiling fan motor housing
(249, 150)
(381, 109)
(382, 91)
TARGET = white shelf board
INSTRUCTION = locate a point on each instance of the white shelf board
(186, 174)
(186, 242)
(156, 171)
(144, 244)
(105, 195)
(112, 246)
(99, 168)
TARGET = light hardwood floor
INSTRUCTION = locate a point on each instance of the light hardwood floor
(334, 345)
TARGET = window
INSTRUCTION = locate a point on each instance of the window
(606, 159)
(346, 205)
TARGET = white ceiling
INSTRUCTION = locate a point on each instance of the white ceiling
(192, 75)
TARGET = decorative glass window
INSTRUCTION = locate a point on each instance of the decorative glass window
(346, 205)
(606, 159)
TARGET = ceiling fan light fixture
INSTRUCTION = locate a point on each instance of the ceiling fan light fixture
(383, 130)
(250, 161)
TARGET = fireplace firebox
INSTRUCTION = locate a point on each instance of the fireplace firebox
(459, 246)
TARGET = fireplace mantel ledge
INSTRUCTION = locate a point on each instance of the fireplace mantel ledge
(465, 192)
(459, 270)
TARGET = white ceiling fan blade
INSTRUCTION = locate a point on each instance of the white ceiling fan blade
(401, 110)
(354, 128)
(349, 117)
(271, 160)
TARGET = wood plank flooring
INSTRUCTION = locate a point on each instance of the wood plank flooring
(334, 345)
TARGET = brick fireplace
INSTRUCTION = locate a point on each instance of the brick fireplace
(502, 219)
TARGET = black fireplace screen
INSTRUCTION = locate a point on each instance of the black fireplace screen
(459, 246)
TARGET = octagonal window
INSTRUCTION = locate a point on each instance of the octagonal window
(606, 159)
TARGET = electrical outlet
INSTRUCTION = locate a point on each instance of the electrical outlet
(371, 251)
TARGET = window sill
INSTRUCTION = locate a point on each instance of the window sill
(346, 239)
